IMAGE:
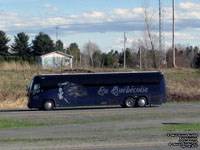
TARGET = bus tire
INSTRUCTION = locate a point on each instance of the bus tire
(48, 105)
(129, 102)
(141, 101)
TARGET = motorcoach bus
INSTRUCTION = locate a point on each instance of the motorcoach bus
(128, 89)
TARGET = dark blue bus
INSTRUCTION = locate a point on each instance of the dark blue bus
(128, 89)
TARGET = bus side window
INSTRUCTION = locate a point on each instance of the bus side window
(36, 88)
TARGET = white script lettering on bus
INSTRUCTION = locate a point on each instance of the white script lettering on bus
(116, 90)
(102, 91)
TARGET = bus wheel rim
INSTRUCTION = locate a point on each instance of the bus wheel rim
(141, 102)
(129, 102)
(48, 105)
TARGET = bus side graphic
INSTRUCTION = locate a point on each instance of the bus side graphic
(70, 89)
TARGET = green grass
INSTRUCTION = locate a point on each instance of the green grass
(84, 139)
(177, 103)
(183, 127)
(194, 127)
(16, 124)
(91, 119)
(130, 129)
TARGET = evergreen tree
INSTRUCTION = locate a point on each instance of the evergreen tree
(128, 57)
(42, 44)
(3, 44)
(59, 46)
(111, 59)
(197, 60)
(75, 52)
(21, 46)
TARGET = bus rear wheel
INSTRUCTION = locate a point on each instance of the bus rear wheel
(48, 105)
(141, 101)
(129, 102)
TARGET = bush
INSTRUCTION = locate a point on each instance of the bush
(2, 59)
(30, 60)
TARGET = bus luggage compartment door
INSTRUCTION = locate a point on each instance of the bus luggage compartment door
(156, 97)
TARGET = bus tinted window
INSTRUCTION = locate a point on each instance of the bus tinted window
(108, 79)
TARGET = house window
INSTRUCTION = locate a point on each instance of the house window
(67, 60)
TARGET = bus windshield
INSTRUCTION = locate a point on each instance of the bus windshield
(34, 87)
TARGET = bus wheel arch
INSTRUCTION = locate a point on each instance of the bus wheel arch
(142, 101)
(129, 102)
(48, 104)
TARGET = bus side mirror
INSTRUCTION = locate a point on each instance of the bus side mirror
(26, 87)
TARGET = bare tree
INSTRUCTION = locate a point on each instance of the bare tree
(89, 50)
(148, 19)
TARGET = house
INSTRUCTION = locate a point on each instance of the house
(55, 60)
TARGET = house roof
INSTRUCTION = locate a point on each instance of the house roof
(57, 52)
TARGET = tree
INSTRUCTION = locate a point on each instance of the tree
(111, 59)
(42, 44)
(186, 56)
(97, 58)
(197, 60)
(148, 34)
(89, 49)
(21, 46)
(128, 57)
(3, 43)
(59, 46)
(75, 52)
(191, 53)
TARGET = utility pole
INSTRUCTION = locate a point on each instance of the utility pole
(173, 35)
(56, 33)
(140, 57)
(125, 39)
(80, 59)
(160, 31)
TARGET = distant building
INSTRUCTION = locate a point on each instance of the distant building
(55, 60)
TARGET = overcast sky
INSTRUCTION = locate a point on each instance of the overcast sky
(100, 21)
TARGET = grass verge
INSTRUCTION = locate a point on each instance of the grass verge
(183, 127)
(176, 103)
(17, 124)
(83, 139)
(194, 127)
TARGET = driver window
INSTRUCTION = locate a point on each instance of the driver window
(36, 88)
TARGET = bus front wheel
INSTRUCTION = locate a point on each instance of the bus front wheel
(48, 105)
(129, 102)
(141, 101)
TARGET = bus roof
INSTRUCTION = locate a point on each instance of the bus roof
(99, 73)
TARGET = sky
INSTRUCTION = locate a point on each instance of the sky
(102, 22)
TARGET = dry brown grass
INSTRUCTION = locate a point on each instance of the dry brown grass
(183, 84)
(20, 103)
(17, 66)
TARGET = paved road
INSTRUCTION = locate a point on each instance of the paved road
(101, 127)
(135, 147)
(158, 146)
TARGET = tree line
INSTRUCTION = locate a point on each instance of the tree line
(92, 56)
(20, 49)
